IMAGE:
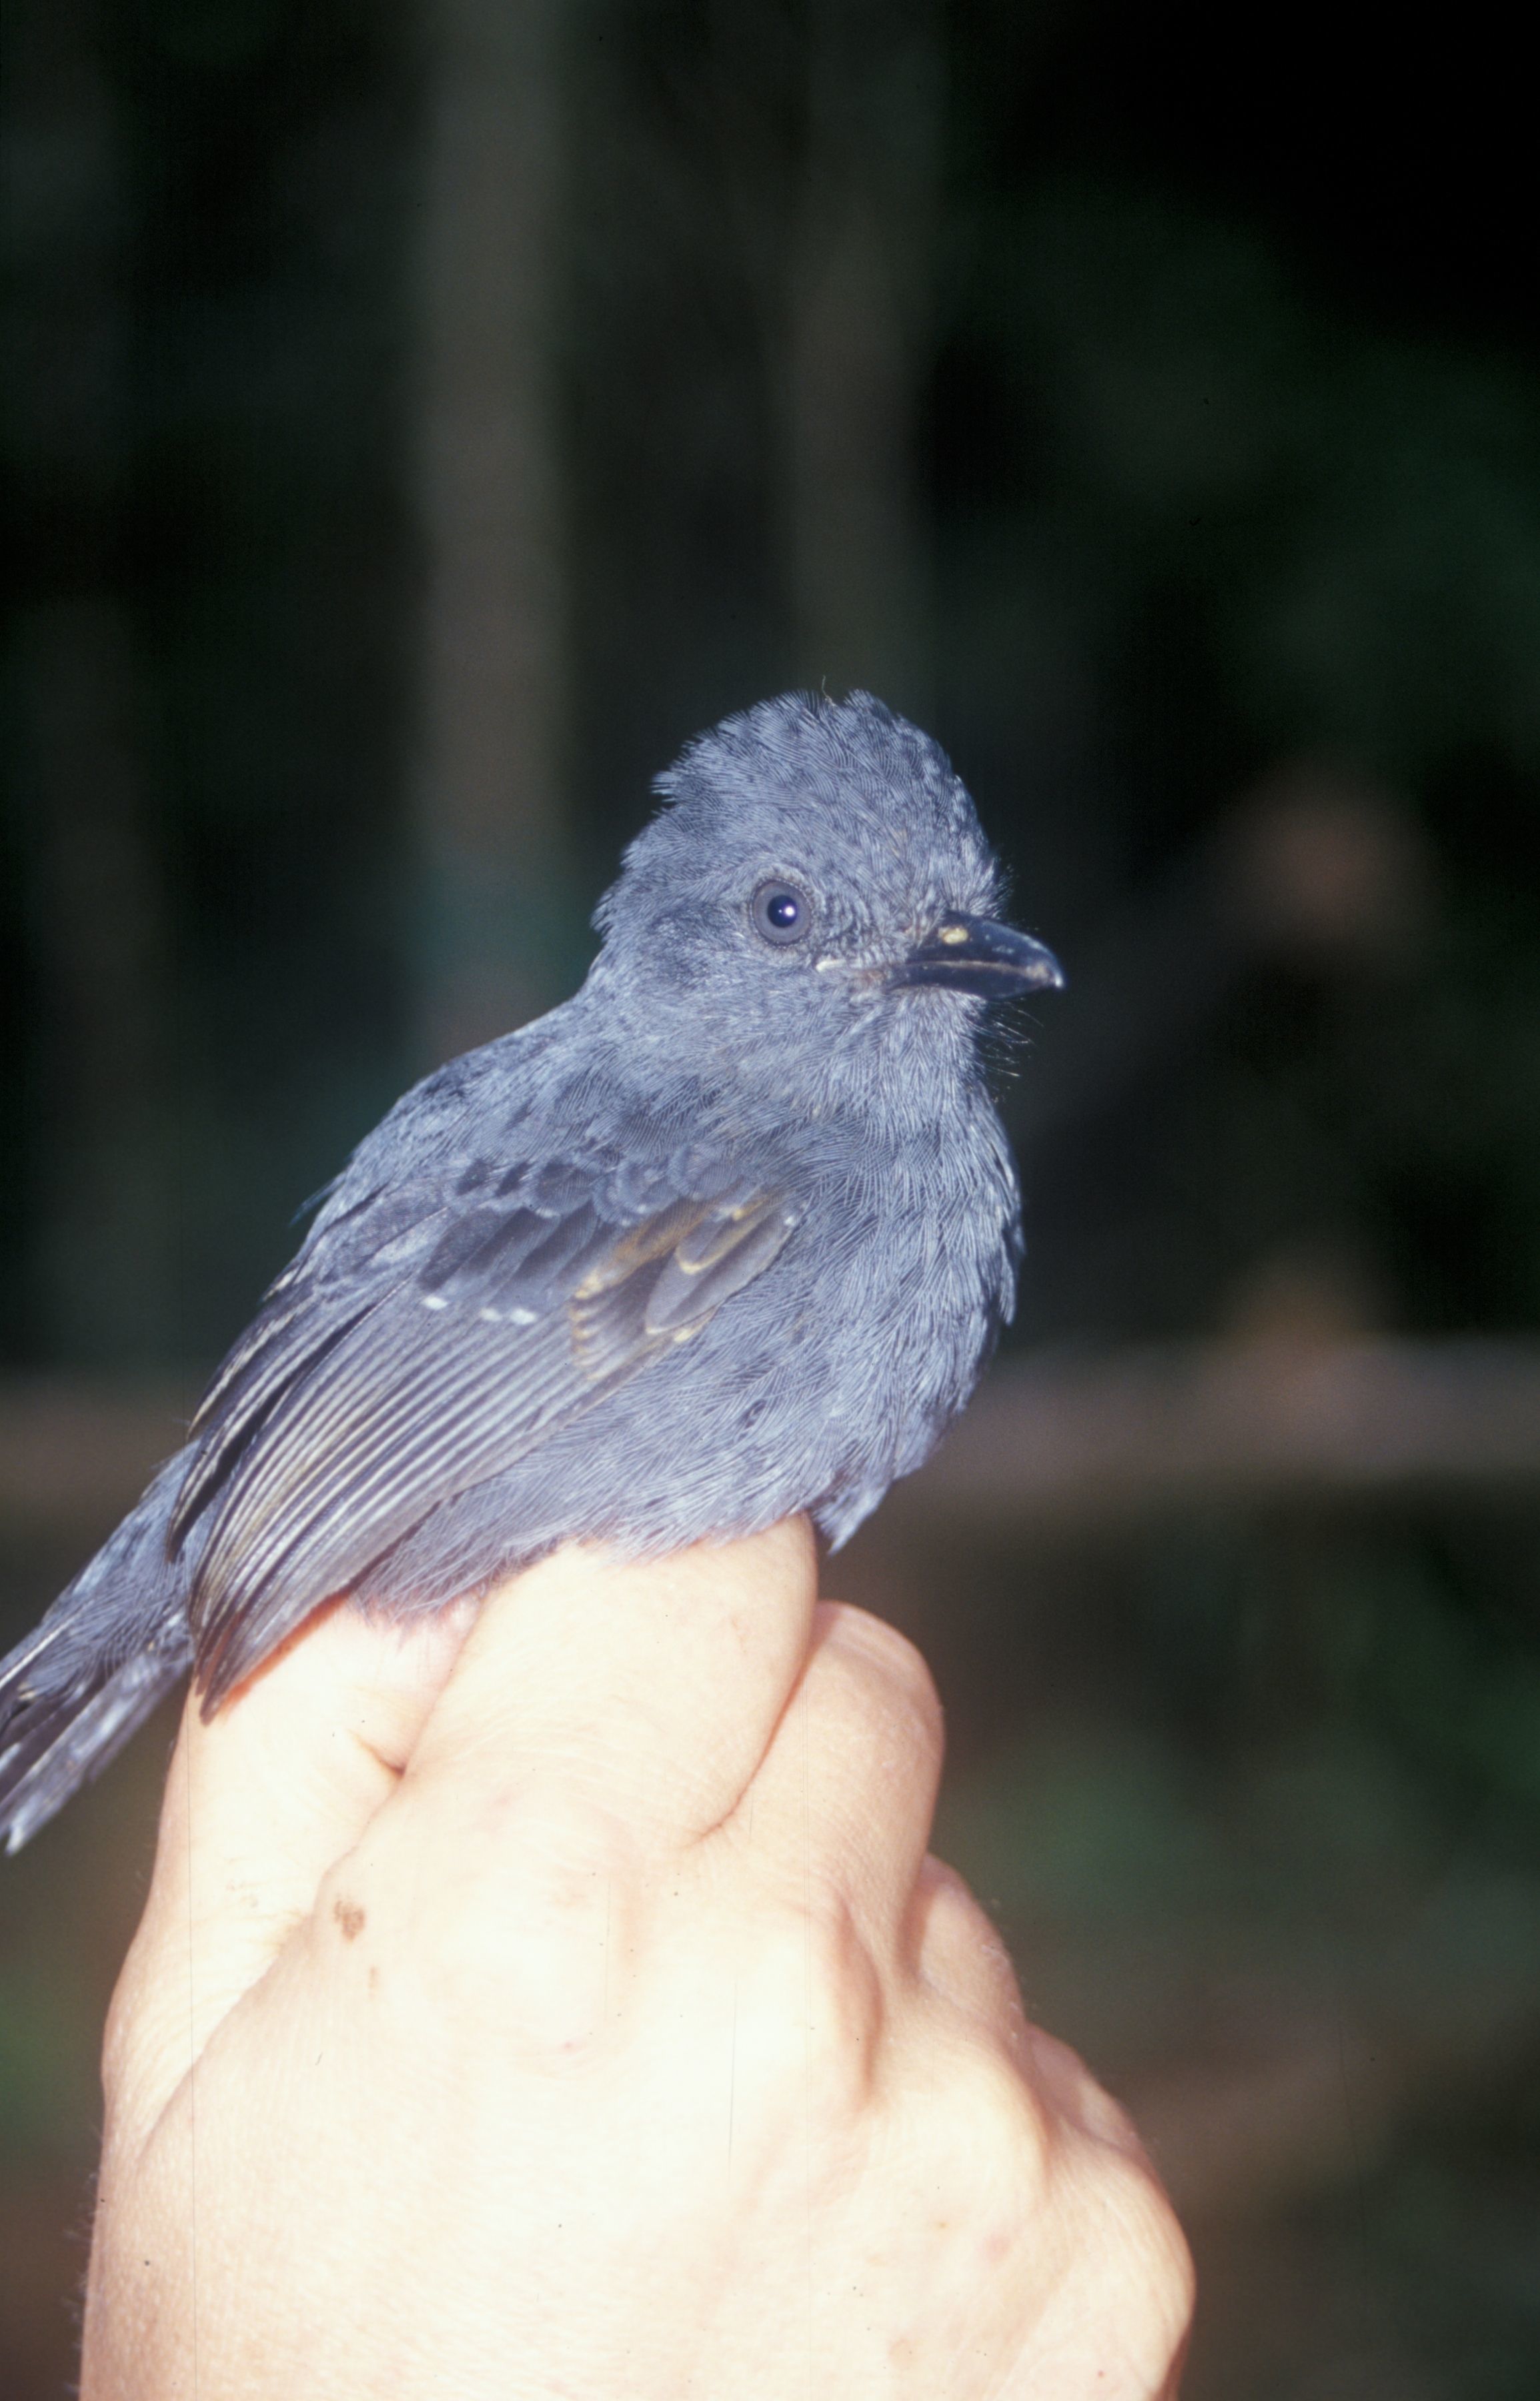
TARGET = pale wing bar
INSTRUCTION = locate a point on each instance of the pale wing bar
(328, 1459)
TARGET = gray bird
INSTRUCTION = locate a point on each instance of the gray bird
(728, 1235)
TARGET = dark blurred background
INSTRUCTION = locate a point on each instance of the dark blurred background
(415, 422)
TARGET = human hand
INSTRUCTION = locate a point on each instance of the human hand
(578, 2012)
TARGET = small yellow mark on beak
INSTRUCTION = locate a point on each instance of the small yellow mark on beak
(954, 934)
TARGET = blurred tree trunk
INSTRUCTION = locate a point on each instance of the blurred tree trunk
(104, 1199)
(858, 338)
(496, 913)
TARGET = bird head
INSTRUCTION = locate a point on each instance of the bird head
(818, 875)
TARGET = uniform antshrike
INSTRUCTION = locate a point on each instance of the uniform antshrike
(728, 1235)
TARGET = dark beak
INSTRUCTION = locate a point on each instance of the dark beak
(974, 955)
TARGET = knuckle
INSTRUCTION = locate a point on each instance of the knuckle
(811, 2007)
(1025, 2176)
(1159, 2262)
(890, 1680)
(1147, 2287)
(959, 1950)
(1000, 2126)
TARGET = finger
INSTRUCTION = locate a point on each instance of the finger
(644, 1690)
(963, 1961)
(960, 1954)
(1063, 2076)
(259, 1803)
(847, 1789)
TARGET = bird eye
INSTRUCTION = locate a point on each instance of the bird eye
(781, 913)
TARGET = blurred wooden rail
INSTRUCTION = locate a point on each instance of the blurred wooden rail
(1131, 1431)
(1076, 1438)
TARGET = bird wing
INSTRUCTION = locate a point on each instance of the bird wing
(357, 1403)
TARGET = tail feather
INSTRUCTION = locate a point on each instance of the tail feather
(74, 1690)
(56, 1744)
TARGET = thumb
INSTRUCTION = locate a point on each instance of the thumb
(259, 1803)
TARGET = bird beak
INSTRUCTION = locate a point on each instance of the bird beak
(974, 955)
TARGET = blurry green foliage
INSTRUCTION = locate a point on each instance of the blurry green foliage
(1358, 517)
(41, 2048)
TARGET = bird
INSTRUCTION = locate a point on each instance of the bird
(729, 1235)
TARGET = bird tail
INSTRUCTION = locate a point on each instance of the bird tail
(53, 1744)
(82, 1682)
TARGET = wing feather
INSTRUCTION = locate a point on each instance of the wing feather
(358, 1405)
(711, 1262)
